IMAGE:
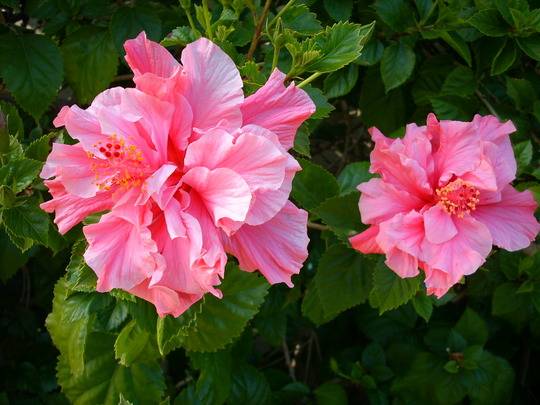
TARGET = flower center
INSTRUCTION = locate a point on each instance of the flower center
(119, 165)
(458, 197)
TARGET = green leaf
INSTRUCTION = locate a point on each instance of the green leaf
(299, 18)
(504, 59)
(339, 10)
(423, 305)
(180, 36)
(31, 67)
(531, 46)
(223, 320)
(330, 394)
(524, 153)
(301, 140)
(312, 305)
(460, 82)
(397, 14)
(249, 386)
(215, 378)
(19, 174)
(397, 65)
(389, 290)
(323, 107)
(313, 185)
(27, 221)
(341, 82)
(128, 22)
(171, 331)
(521, 92)
(458, 44)
(338, 45)
(11, 258)
(133, 344)
(371, 54)
(473, 328)
(341, 214)
(12, 118)
(90, 61)
(352, 175)
(342, 269)
(489, 22)
(40, 148)
(104, 380)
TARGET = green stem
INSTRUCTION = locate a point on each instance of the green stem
(275, 58)
(309, 79)
(190, 19)
(280, 13)
(208, 22)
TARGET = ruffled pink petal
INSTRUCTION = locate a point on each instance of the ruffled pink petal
(489, 128)
(182, 121)
(381, 200)
(457, 148)
(69, 209)
(278, 108)
(166, 300)
(121, 252)
(439, 225)
(72, 166)
(154, 184)
(82, 125)
(255, 158)
(145, 56)
(511, 220)
(225, 194)
(277, 248)
(464, 253)
(366, 242)
(501, 157)
(400, 238)
(438, 282)
(212, 85)
(390, 158)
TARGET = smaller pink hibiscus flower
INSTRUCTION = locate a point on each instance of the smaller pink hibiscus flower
(443, 199)
(188, 171)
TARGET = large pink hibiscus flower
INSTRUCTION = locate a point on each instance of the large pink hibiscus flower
(443, 198)
(188, 171)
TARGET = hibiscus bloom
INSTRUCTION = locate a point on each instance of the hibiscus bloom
(188, 170)
(443, 199)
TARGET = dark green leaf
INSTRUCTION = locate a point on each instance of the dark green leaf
(299, 18)
(352, 175)
(523, 152)
(90, 61)
(473, 328)
(249, 386)
(27, 221)
(339, 10)
(128, 22)
(489, 22)
(504, 59)
(313, 185)
(341, 82)
(331, 394)
(423, 305)
(321, 102)
(341, 214)
(12, 119)
(31, 67)
(215, 378)
(397, 14)
(19, 174)
(397, 65)
(460, 82)
(531, 46)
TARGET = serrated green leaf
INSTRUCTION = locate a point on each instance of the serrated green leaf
(389, 290)
(12, 118)
(19, 174)
(460, 82)
(180, 36)
(397, 14)
(133, 344)
(397, 65)
(504, 59)
(531, 46)
(27, 221)
(423, 305)
(40, 148)
(473, 328)
(371, 53)
(339, 10)
(31, 67)
(524, 153)
(170, 332)
(323, 107)
(489, 22)
(215, 378)
(128, 22)
(90, 60)
(223, 320)
(341, 214)
(299, 18)
(312, 305)
(341, 82)
(313, 185)
(352, 175)
(249, 386)
(344, 270)
(301, 140)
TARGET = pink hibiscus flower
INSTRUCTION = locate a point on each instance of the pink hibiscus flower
(443, 199)
(188, 171)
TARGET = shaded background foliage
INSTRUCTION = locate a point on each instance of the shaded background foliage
(350, 331)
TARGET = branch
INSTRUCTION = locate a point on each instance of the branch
(258, 30)
(319, 227)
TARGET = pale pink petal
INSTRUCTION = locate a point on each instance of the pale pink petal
(502, 159)
(182, 121)
(489, 128)
(166, 300)
(511, 220)
(277, 248)
(145, 56)
(255, 158)
(225, 194)
(72, 166)
(402, 263)
(69, 209)
(278, 108)
(439, 225)
(81, 125)
(212, 86)
(380, 200)
(483, 176)
(121, 252)
(390, 159)
(366, 242)
(464, 253)
(155, 182)
(438, 282)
